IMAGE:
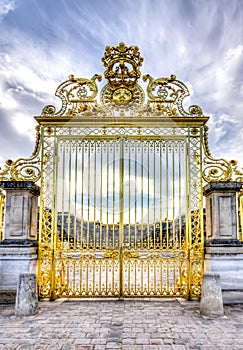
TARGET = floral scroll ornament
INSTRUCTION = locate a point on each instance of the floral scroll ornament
(219, 169)
(166, 97)
(23, 169)
(78, 96)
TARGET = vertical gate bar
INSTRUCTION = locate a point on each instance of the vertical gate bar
(154, 170)
(54, 231)
(188, 177)
(121, 211)
(179, 195)
(94, 201)
(129, 195)
(74, 276)
(68, 275)
(100, 276)
(101, 187)
(160, 195)
(87, 276)
(148, 228)
(88, 196)
(173, 193)
(201, 196)
(188, 211)
(63, 189)
(161, 274)
(82, 194)
(80, 276)
(174, 275)
(75, 196)
(113, 275)
(113, 190)
(142, 210)
(107, 191)
(167, 197)
(135, 197)
(69, 191)
(93, 270)
(42, 210)
(167, 275)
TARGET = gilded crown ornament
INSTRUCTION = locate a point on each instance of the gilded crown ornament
(122, 65)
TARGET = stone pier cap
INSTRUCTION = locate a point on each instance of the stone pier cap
(21, 185)
(234, 186)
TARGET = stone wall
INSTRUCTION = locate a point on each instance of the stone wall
(18, 250)
(223, 245)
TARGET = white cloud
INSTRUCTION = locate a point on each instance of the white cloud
(203, 47)
(5, 7)
(24, 124)
(228, 67)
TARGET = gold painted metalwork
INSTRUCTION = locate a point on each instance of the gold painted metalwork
(166, 96)
(219, 169)
(120, 222)
(122, 95)
(23, 169)
(77, 96)
(121, 199)
(121, 211)
(122, 65)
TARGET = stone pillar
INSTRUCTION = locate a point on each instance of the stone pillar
(18, 250)
(211, 304)
(27, 296)
(223, 246)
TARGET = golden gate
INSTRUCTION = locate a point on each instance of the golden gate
(121, 187)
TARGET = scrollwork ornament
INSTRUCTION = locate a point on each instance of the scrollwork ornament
(24, 169)
(77, 96)
(216, 169)
(238, 174)
(166, 97)
(195, 110)
(48, 110)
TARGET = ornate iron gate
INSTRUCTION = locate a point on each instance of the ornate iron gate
(121, 187)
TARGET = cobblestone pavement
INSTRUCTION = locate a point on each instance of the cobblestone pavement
(127, 325)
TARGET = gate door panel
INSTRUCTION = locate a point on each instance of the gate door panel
(122, 219)
(87, 259)
(154, 193)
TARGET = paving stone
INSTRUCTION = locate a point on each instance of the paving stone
(99, 347)
(130, 325)
(155, 341)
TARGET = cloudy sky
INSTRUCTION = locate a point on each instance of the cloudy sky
(44, 41)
